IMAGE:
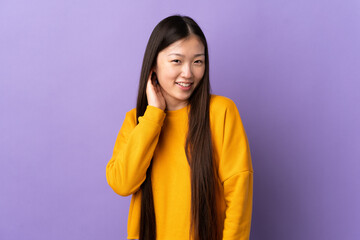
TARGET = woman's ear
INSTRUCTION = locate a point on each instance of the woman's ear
(154, 71)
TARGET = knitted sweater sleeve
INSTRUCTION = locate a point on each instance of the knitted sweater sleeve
(237, 172)
(133, 150)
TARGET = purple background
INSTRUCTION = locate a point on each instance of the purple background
(69, 72)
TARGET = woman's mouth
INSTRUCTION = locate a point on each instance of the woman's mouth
(184, 86)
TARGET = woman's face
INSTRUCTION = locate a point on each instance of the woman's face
(179, 69)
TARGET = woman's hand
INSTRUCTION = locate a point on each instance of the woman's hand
(154, 95)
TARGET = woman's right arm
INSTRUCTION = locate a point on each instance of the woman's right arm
(133, 151)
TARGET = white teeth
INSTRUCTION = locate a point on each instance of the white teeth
(184, 84)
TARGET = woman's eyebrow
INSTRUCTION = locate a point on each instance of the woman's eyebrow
(180, 55)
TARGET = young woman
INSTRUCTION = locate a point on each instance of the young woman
(182, 153)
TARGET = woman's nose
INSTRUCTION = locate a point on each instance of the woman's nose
(186, 71)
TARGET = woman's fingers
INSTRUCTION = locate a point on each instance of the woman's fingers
(154, 95)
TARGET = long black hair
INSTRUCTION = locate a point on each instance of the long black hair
(198, 147)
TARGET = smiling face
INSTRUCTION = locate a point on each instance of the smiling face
(179, 69)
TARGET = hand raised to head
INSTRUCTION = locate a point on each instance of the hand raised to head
(153, 92)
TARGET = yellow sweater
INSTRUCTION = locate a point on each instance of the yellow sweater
(162, 135)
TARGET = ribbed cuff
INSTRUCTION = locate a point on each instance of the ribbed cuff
(154, 114)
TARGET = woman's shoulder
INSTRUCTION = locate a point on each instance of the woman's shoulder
(130, 117)
(132, 112)
(221, 103)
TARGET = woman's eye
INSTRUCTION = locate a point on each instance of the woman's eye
(175, 61)
(198, 61)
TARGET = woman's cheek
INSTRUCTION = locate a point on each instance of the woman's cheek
(170, 75)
